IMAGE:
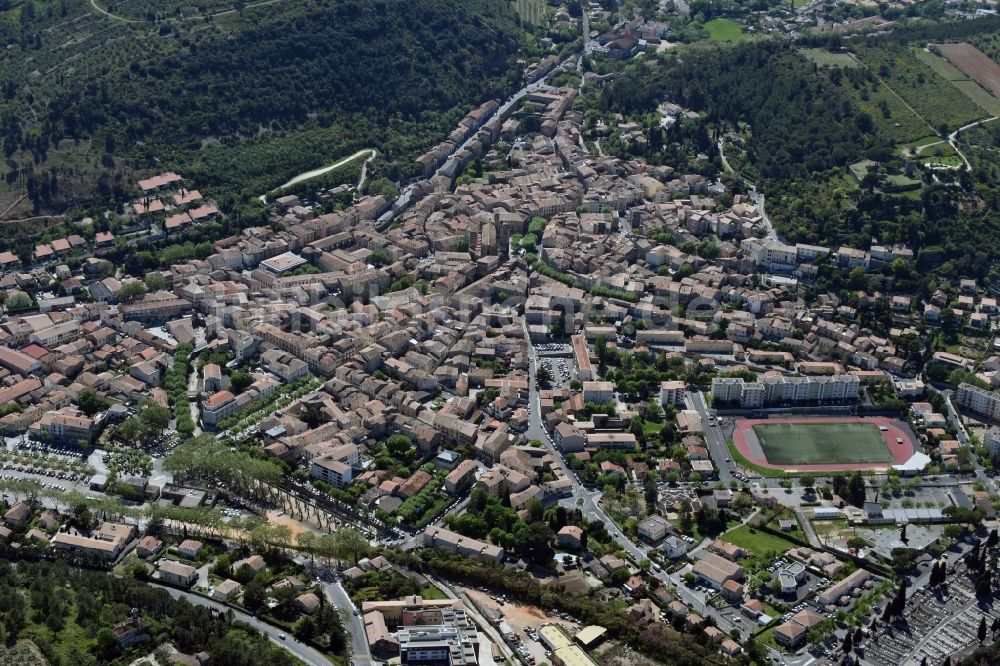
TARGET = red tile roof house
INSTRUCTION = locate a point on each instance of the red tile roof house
(415, 484)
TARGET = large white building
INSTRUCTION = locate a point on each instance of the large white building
(978, 400)
(672, 393)
(331, 470)
(778, 390)
(770, 254)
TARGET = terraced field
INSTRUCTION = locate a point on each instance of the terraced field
(956, 77)
(975, 63)
(922, 88)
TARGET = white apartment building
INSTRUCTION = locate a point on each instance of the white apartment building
(784, 390)
(978, 400)
(770, 254)
(672, 393)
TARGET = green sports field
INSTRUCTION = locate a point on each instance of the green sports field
(822, 443)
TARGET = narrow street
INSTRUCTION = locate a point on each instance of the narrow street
(353, 624)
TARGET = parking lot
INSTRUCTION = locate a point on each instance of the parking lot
(49, 465)
(563, 370)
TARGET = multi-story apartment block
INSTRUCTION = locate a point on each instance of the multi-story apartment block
(776, 390)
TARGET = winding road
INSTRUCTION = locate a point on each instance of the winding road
(306, 175)
(298, 649)
(953, 139)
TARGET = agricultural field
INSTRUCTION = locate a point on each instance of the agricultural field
(889, 112)
(725, 30)
(825, 58)
(531, 11)
(956, 77)
(974, 63)
(923, 89)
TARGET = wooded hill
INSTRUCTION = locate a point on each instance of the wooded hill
(244, 99)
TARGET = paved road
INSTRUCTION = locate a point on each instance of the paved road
(300, 650)
(714, 436)
(306, 175)
(759, 200)
(808, 528)
(406, 197)
(588, 502)
(955, 419)
(354, 624)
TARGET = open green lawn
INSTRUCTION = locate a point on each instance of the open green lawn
(822, 443)
(827, 527)
(825, 58)
(757, 542)
(652, 427)
(947, 160)
(725, 30)
(979, 95)
(432, 592)
(901, 182)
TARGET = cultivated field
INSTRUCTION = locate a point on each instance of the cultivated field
(975, 63)
(822, 443)
(531, 11)
(960, 80)
(921, 88)
(825, 58)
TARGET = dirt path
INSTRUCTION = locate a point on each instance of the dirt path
(953, 139)
(306, 175)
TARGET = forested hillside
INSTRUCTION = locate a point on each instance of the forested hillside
(69, 614)
(246, 98)
(800, 128)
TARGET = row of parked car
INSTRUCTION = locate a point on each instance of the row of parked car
(43, 484)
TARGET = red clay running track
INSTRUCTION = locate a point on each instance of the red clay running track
(900, 452)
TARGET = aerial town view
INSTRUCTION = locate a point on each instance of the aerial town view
(500, 332)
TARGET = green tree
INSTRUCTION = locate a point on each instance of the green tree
(107, 644)
(350, 544)
(131, 431)
(155, 281)
(131, 290)
(856, 490)
(90, 402)
(239, 381)
(154, 416)
(255, 592)
(400, 447)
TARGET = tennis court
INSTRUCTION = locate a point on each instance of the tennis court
(822, 443)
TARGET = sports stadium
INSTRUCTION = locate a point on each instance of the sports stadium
(824, 444)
